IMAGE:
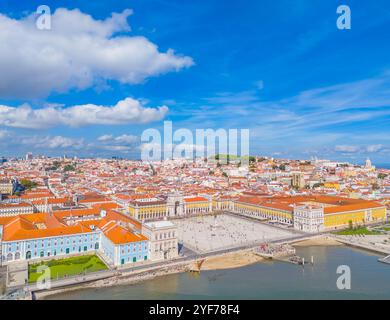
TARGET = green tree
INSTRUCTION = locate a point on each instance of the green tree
(282, 167)
(28, 184)
(56, 164)
(69, 167)
(382, 176)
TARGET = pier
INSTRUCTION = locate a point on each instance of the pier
(274, 251)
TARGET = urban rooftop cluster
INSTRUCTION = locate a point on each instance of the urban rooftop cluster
(125, 211)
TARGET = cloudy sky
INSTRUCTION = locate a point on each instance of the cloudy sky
(108, 70)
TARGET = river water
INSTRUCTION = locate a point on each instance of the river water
(370, 279)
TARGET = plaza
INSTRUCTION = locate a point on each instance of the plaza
(210, 233)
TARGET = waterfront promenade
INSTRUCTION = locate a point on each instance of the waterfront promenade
(146, 270)
(364, 242)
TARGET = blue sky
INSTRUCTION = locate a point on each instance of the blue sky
(278, 67)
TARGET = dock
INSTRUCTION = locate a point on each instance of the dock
(281, 252)
(274, 251)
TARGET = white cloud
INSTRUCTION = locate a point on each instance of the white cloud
(77, 53)
(347, 148)
(374, 148)
(126, 139)
(116, 148)
(124, 112)
(122, 139)
(56, 142)
(105, 137)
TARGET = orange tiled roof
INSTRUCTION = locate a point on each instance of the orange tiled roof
(14, 205)
(120, 235)
(338, 204)
(25, 227)
(195, 199)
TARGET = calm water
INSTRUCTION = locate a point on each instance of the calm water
(270, 280)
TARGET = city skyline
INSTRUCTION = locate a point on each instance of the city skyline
(303, 87)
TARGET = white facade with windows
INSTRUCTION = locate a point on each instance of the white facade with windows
(163, 243)
(14, 209)
(309, 218)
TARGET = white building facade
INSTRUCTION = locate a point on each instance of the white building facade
(309, 218)
(163, 243)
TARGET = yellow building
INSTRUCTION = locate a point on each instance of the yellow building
(263, 209)
(332, 185)
(358, 214)
(305, 213)
(152, 209)
(195, 205)
(308, 213)
(175, 206)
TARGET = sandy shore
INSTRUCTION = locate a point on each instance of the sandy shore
(317, 242)
(230, 261)
(115, 281)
